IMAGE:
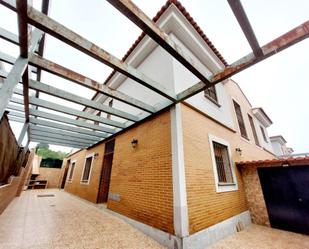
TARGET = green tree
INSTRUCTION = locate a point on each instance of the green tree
(44, 151)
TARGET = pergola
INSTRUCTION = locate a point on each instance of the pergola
(59, 130)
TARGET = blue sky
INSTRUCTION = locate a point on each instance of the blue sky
(278, 84)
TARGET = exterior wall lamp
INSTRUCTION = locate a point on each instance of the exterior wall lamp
(134, 142)
(239, 151)
(96, 155)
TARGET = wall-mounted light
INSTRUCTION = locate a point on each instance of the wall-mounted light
(239, 151)
(134, 142)
(96, 155)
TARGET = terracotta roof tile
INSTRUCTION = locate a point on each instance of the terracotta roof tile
(276, 161)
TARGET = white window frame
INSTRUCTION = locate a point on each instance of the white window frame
(219, 186)
(81, 178)
(70, 169)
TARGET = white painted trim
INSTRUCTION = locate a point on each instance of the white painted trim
(70, 180)
(222, 188)
(181, 220)
(81, 178)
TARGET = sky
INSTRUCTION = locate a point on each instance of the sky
(279, 84)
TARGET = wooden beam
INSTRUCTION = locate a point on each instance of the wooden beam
(138, 17)
(80, 100)
(89, 139)
(67, 128)
(246, 27)
(74, 112)
(66, 35)
(66, 120)
(68, 74)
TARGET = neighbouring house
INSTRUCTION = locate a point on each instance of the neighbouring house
(174, 175)
(279, 146)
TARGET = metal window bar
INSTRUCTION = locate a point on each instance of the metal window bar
(222, 163)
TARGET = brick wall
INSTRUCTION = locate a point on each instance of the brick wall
(15, 184)
(206, 207)
(142, 176)
(254, 195)
(52, 175)
(86, 191)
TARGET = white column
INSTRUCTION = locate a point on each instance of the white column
(181, 220)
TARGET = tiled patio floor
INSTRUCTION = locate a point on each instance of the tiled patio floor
(260, 237)
(64, 221)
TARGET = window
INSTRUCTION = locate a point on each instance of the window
(110, 104)
(240, 120)
(211, 94)
(71, 172)
(263, 133)
(223, 163)
(224, 175)
(87, 169)
(253, 130)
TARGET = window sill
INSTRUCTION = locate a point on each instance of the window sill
(226, 184)
(84, 182)
(213, 101)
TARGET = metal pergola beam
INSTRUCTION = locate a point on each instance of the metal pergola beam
(296, 35)
(16, 73)
(9, 36)
(56, 142)
(57, 136)
(246, 27)
(71, 121)
(74, 112)
(80, 100)
(284, 41)
(66, 35)
(68, 74)
(46, 123)
(138, 17)
(64, 133)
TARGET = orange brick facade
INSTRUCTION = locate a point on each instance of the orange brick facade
(142, 176)
(206, 207)
(86, 191)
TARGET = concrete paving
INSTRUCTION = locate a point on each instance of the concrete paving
(261, 237)
(63, 221)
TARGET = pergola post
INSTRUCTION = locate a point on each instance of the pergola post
(22, 133)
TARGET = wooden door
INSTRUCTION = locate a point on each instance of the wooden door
(65, 173)
(106, 172)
